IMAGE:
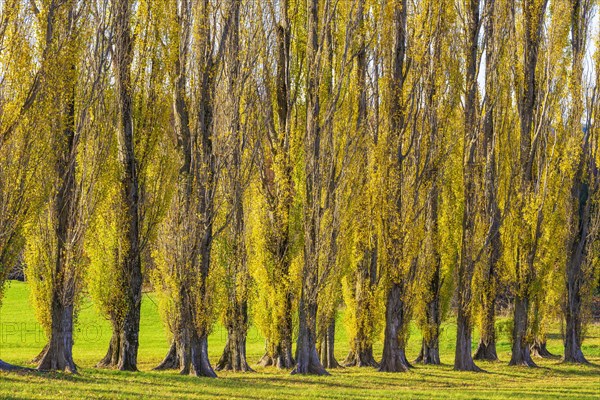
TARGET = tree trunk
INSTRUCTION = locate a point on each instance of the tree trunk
(538, 349)
(279, 354)
(171, 360)
(307, 358)
(361, 356)
(430, 353)
(581, 199)
(234, 357)
(132, 268)
(463, 360)
(486, 350)
(520, 347)
(430, 348)
(59, 354)
(131, 325)
(278, 184)
(574, 321)
(199, 356)
(234, 354)
(525, 272)
(361, 353)
(178, 355)
(574, 272)
(111, 358)
(394, 353)
(236, 318)
(327, 347)
(581, 217)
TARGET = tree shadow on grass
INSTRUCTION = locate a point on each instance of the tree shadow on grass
(591, 369)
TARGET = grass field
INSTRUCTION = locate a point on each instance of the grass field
(21, 339)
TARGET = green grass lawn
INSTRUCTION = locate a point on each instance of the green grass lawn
(21, 339)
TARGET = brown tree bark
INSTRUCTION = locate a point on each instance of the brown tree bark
(579, 245)
(520, 348)
(538, 349)
(17, 210)
(430, 353)
(197, 183)
(533, 24)
(463, 360)
(582, 186)
(430, 348)
(396, 318)
(171, 360)
(236, 318)
(114, 349)
(280, 354)
(307, 358)
(177, 356)
(205, 171)
(234, 354)
(277, 182)
(486, 350)
(58, 353)
(394, 352)
(132, 265)
(361, 352)
(361, 348)
(327, 347)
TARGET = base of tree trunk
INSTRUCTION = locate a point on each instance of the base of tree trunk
(486, 351)
(57, 358)
(280, 360)
(463, 360)
(522, 358)
(362, 358)
(111, 359)
(395, 363)
(573, 354)
(538, 349)
(521, 355)
(171, 360)
(330, 363)
(429, 354)
(307, 358)
(200, 364)
(58, 353)
(326, 349)
(576, 359)
(314, 367)
(394, 358)
(129, 348)
(466, 365)
(234, 356)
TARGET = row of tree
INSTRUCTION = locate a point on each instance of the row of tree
(273, 160)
